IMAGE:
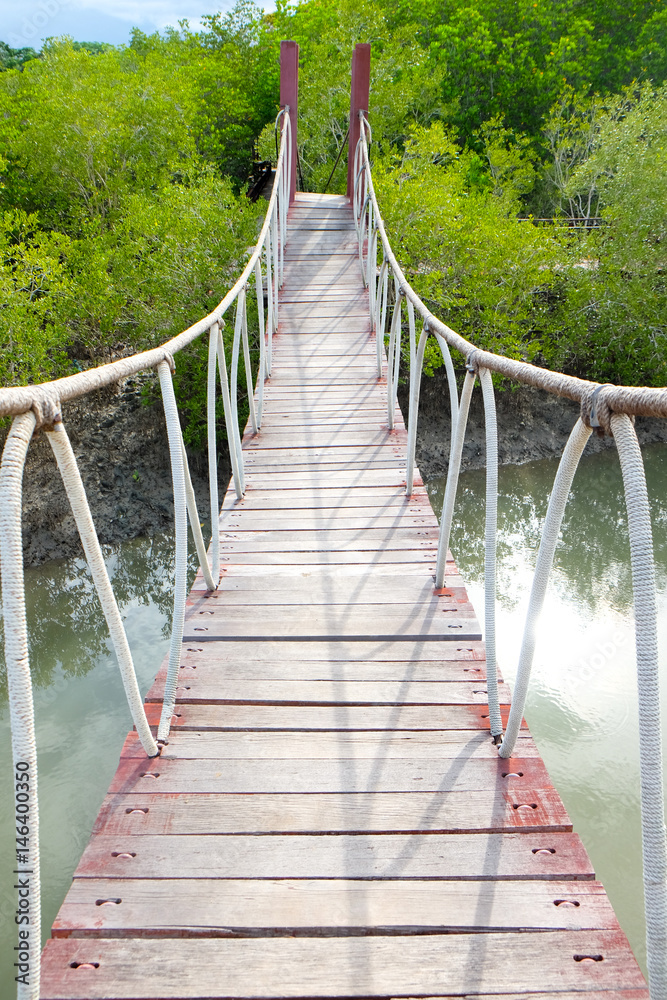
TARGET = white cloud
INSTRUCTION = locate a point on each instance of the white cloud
(96, 20)
(154, 12)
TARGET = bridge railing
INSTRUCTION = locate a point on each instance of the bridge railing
(607, 408)
(37, 408)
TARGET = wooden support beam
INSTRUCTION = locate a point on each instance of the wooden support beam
(359, 91)
(289, 97)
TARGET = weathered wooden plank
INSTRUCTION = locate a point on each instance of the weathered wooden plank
(333, 692)
(216, 666)
(331, 365)
(339, 440)
(141, 813)
(331, 540)
(321, 908)
(304, 380)
(138, 812)
(325, 419)
(328, 326)
(429, 965)
(292, 293)
(302, 562)
(317, 455)
(342, 775)
(331, 589)
(323, 308)
(322, 459)
(279, 462)
(309, 718)
(359, 397)
(260, 520)
(389, 745)
(326, 415)
(333, 360)
(353, 379)
(363, 478)
(464, 856)
(291, 347)
(373, 621)
(342, 557)
(331, 498)
(251, 625)
(336, 652)
(343, 239)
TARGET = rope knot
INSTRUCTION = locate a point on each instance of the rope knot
(47, 412)
(472, 365)
(596, 412)
(169, 358)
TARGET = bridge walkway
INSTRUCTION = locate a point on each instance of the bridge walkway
(330, 817)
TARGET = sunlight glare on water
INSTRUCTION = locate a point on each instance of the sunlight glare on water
(582, 701)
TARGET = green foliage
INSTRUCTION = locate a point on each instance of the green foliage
(81, 131)
(120, 170)
(69, 302)
(623, 294)
(484, 272)
(14, 58)
(34, 284)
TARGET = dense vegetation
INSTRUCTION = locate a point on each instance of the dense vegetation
(122, 169)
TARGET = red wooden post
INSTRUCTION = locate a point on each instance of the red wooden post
(289, 95)
(359, 90)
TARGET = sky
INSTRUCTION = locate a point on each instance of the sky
(27, 23)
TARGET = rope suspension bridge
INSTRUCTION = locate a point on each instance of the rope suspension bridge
(329, 760)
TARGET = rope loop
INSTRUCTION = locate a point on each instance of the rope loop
(169, 358)
(596, 412)
(47, 412)
(472, 365)
(363, 115)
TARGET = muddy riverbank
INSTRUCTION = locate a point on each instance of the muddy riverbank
(123, 455)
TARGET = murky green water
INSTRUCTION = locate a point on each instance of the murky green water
(581, 707)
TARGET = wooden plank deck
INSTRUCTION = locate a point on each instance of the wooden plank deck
(330, 784)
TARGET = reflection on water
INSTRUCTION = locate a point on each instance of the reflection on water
(81, 713)
(582, 704)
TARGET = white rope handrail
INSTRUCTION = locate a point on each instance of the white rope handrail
(181, 550)
(608, 407)
(490, 539)
(76, 494)
(21, 709)
(416, 368)
(452, 480)
(650, 737)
